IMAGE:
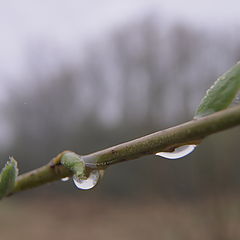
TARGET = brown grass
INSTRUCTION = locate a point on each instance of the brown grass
(70, 219)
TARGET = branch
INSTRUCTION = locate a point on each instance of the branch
(191, 132)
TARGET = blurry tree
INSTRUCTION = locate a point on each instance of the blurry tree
(141, 78)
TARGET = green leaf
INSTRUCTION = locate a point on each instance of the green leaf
(8, 177)
(221, 94)
(73, 162)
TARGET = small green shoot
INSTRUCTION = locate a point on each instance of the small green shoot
(221, 94)
(8, 177)
(73, 162)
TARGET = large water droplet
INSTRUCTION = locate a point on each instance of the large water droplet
(88, 183)
(65, 179)
(178, 152)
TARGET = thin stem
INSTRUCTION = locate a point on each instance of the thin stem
(191, 132)
(50, 172)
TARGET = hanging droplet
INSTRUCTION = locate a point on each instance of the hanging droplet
(88, 183)
(65, 179)
(236, 100)
(178, 152)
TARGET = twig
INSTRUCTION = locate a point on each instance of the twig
(191, 132)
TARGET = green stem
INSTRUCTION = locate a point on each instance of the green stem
(50, 172)
(166, 140)
(191, 132)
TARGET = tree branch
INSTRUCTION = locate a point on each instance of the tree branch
(191, 132)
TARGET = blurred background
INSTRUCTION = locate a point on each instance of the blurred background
(86, 75)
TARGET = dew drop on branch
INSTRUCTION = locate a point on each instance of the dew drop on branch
(65, 179)
(178, 152)
(236, 100)
(88, 183)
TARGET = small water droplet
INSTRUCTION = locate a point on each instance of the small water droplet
(236, 100)
(178, 152)
(65, 179)
(88, 183)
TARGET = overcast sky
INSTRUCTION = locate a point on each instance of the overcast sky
(68, 23)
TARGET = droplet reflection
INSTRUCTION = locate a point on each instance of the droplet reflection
(178, 152)
(88, 183)
(65, 179)
(236, 100)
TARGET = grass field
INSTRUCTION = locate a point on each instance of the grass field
(75, 218)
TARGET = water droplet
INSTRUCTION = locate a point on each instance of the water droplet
(236, 100)
(65, 179)
(178, 152)
(88, 183)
